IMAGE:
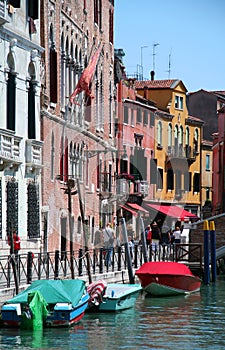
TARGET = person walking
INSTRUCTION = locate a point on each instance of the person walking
(98, 243)
(109, 237)
(165, 241)
(156, 237)
(148, 235)
(177, 234)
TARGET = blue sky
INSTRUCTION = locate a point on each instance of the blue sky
(190, 32)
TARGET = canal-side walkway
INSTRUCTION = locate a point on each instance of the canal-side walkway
(16, 273)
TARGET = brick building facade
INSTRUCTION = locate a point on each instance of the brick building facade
(78, 137)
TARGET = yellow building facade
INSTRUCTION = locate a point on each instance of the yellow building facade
(177, 150)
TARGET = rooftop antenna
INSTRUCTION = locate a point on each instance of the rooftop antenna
(154, 46)
(142, 47)
(169, 68)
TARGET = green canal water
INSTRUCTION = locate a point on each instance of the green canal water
(193, 322)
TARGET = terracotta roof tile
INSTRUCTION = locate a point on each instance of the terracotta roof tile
(155, 84)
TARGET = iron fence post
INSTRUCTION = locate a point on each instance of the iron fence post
(80, 262)
(56, 274)
(29, 267)
(101, 261)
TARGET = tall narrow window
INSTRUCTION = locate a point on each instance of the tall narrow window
(207, 162)
(125, 116)
(159, 133)
(170, 179)
(31, 103)
(160, 179)
(33, 216)
(53, 75)
(31, 111)
(96, 11)
(153, 171)
(170, 135)
(186, 181)
(62, 73)
(196, 182)
(52, 156)
(111, 25)
(110, 109)
(196, 140)
(66, 160)
(12, 206)
(11, 101)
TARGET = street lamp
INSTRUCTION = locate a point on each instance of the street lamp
(69, 185)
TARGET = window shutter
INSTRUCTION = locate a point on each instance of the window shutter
(153, 171)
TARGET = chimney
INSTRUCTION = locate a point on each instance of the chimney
(152, 73)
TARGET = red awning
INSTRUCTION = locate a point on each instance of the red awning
(133, 212)
(173, 211)
(137, 207)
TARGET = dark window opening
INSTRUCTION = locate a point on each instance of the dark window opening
(170, 179)
(53, 76)
(31, 111)
(160, 179)
(33, 217)
(11, 101)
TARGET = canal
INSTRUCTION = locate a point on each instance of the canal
(186, 323)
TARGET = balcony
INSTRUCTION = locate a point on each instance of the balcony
(3, 12)
(10, 153)
(190, 154)
(33, 155)
(180, 153)
(175, 152)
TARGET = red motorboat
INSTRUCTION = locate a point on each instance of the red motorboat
(167, 278)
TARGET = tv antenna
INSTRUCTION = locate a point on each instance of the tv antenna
(169, 65)
(154, 54)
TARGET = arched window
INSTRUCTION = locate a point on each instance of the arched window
(67, 73)
(159, 133)
(187, 140)
(31, 102)
(196, 140)
(53, 68)
(181, 136)
(11, 93)
(170, 135)
(63, 62)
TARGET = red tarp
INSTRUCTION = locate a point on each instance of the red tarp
(163, 268)
(137, 207)
(173, 211)
(133, 212)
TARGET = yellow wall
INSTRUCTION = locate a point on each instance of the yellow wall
(165, 100)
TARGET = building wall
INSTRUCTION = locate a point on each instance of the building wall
(165, 99)
(70, 31)
(218, 197)
(20, 54)
(203, 104)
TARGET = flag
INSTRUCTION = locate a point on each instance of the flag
(86, 77)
